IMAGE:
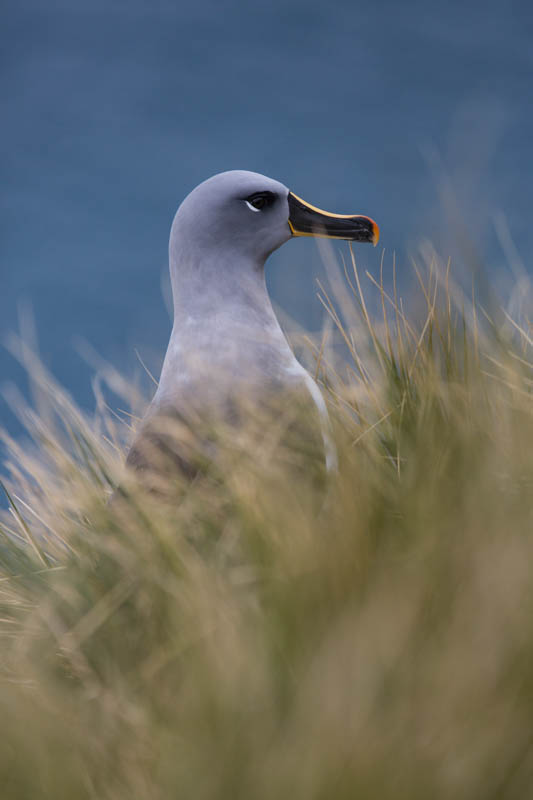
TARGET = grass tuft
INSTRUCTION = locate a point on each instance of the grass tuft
(275, 631)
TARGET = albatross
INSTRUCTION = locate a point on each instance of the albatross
(226, 342)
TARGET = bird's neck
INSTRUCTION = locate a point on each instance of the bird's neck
(232, 286)
(225, 330)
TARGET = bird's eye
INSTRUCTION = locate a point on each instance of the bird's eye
(260, 200)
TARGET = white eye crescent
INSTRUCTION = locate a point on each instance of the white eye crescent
(250, 206)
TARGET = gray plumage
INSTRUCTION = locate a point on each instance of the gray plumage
(226, 341)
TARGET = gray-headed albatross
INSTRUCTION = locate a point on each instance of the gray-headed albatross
(226, 342)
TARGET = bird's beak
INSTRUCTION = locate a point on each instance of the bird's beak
(308, 220)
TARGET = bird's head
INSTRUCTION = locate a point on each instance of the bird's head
(247, 215)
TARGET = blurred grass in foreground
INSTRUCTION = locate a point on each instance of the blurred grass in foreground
(254, 640)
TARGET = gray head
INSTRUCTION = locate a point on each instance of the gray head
(225, 217)
(243, 215)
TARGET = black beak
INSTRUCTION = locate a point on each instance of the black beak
(307, 220)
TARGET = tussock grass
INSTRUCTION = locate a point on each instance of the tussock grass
(276, 632)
